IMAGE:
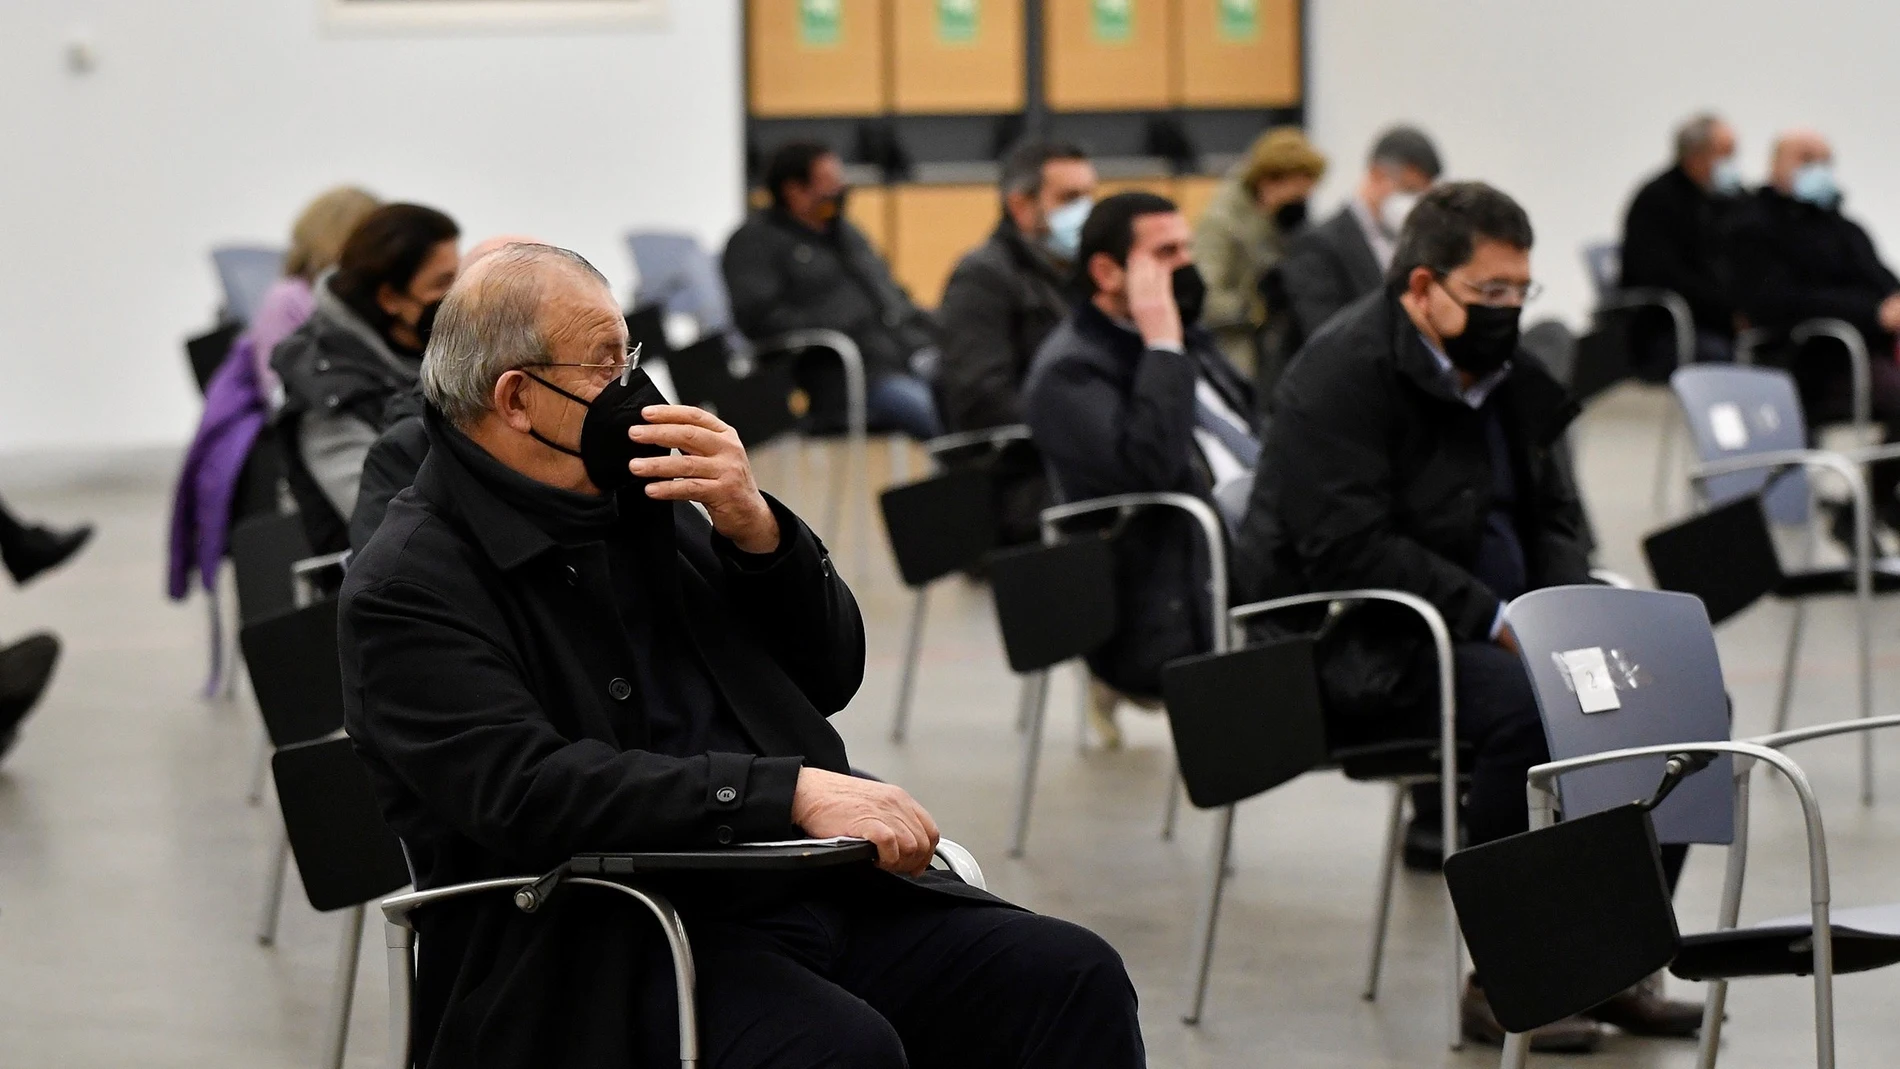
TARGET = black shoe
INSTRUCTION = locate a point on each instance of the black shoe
(26, 667)
(41, 548)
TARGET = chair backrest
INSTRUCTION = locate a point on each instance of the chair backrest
(206, 352)
(262, 550)
(1741, 411)
(1725, 556)
(1614, 669)
(1561, 918)
(1604, 261)
(646, 327)
(244, 273)
(1054, 603)
(1245, 722)
(345, 854)
(940, 524)
(675, 271)
(760, 405)
(295, 672)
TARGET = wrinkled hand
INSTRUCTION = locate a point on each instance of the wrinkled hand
(826, 804)
(1890, 313)
(712, 469)
(1151, 300)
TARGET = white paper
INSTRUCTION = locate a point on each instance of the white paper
(1590, 678)
(836, 840)
(1726, 423)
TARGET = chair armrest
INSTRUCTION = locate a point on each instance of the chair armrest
(992, 437)
(1818, 460)
(1212, 532)
(962, 864)
(1780, 739)
(1669, 301)
(311, 565)
(1860, 371)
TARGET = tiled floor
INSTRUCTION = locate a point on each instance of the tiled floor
(131, 869)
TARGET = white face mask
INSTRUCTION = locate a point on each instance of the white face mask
(1398, 204)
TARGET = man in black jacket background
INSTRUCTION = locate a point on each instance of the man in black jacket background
(548, 650)
(1673, 239)
(1798, 258)
(1129, 395)
(1003, 299)
(1411, 449)
(800, 264)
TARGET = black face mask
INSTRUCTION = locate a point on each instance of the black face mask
(1287, 217)
(605, 448)
(1190, 293)
(1489, 339)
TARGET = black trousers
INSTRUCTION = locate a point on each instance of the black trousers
(910, 982)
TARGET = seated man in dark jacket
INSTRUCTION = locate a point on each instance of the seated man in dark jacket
(1411, 450)
(1130, 395)
(1673, 239)
(1003, 299)
(800, 265)
(547, 649)
(1797, 258)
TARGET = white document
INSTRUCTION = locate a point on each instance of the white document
(1726, 423)
(1590, 678)
(836, 840)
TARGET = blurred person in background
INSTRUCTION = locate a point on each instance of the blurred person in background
(1245, 232)
(1341, 260)
(1797, 257)
(1673, 237)
(316, 240)
(1003, 299)
(351, 367)
(800, 264)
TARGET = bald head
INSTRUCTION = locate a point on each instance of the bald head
(496, 244)
(510, 309)
(1794, 150)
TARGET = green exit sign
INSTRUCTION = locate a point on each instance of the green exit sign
(820, 23)
(1239, 19)
(957, 21)
(1114, 21)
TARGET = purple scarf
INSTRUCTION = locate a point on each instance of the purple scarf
(201, 507)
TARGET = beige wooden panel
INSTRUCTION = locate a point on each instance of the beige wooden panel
(869, 209)
(1161, 184)
(981, 75)
(791, 77)
(1193, 192)
(932, 227)
(1222, 70)
(1084, 72)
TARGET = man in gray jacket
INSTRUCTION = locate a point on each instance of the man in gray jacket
(800, 264)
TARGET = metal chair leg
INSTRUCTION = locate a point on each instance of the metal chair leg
(1665, 462)
(913, 648)
(1388, 874)
(684, 973)
(260, 771)
(343, 995)
(1785, 696)
(1035, 700)
(1172, 809)
(399, 942)
(214, 639)
(837, 472)
(1517, 1050)
(1203, 960)
(274, 893)
(1083, 701)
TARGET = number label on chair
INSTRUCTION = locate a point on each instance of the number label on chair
(1589, 675)
(1727, 426)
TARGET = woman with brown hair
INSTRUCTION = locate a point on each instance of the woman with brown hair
(316, 240)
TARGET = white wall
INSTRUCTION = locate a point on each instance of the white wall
(1566, 104)
(214, 120)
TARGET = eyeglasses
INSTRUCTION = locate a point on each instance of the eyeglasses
(601, 372)
(1496, 294)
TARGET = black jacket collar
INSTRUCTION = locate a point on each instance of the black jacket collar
(1539, 404)
(461, 491)
(1025, 255)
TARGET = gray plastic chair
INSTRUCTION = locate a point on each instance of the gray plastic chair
(1604, 262)
(1751, 438)
(677, 273)
(1658, 664)
(244, 273)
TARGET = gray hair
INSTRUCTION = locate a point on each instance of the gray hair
(490, 324)
(1696, 135)
(1407, 146)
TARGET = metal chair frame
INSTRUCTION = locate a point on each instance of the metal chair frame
(1612, 298)
(399, 941)
(1035, 693)
(1447, 779)
(995, 438)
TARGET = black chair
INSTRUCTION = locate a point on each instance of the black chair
(263, 551)
(1629, 686)
(943, 524)
(760, 406)
(1605, 356)
(622, 873)
(346, 856)
(205, 353)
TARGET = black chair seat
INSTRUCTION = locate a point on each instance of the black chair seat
(1395, 759)
(1819, 581)
(1865, 938)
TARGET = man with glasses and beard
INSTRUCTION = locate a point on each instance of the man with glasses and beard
(1412, 449)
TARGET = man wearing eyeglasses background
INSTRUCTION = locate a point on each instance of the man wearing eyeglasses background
(1412, 449)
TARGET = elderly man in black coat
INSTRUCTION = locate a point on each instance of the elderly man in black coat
(548, 649)
(1412, 449)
